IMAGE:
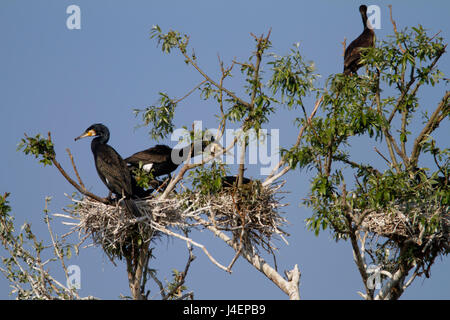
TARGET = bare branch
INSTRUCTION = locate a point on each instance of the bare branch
(438, 115)
(190, 92)
(274, 175)
(73, 183)
(395, 28)
(75, 168)
(201, 246)
(344, 45)
(381, 155)
(182, 278)
(207, 78)
(290, 287)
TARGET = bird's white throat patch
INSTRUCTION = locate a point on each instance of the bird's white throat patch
(147, 167)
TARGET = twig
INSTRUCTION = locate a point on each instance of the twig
(225, 73)
(190, 92)
(160, 285)
(272, 177)
(431, 125)
(290, 287)
(182, 279)
(241, 236)
(381, 155)
(72, 182)
(75, 168)
(55, 245)
(344, 45)
(395, 28)
(201, 246)
(207, 78)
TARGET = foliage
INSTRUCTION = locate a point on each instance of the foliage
(353, 106)
(39, 147)
(142, 177)
(290, 80)
(25, 267)
(159, 116)
(410, 202)
(350, 198)
(173, 288)
(208, 179)
(292, 77)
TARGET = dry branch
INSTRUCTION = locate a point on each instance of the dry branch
(255, 223)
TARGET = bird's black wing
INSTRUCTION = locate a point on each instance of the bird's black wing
(113, 170)
(353, 51)
(156, 154)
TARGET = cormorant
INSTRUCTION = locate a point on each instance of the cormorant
(366, 39)
(161, 159)
(111, 168)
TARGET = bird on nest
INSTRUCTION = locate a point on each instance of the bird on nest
(111, 168)
(163, 160)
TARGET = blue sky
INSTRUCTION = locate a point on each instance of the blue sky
(60, 80)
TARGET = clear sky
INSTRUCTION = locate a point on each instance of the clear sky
(60, 80)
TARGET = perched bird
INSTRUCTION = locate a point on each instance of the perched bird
(111, 168)
(161, 159)
(366, 39)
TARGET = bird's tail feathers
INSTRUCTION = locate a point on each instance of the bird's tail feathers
(132, 207)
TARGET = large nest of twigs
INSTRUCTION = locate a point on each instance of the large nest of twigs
(427, 227)
(251, 216)
(112, 227)
(250, 213)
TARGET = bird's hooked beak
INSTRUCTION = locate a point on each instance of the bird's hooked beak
(90, 133)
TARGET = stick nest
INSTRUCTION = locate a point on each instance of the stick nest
(251, 216)
(250, 213)
(428, 227)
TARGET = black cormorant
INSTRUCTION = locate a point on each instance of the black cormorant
(111, 168)
(161, 159)
(353, 52)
